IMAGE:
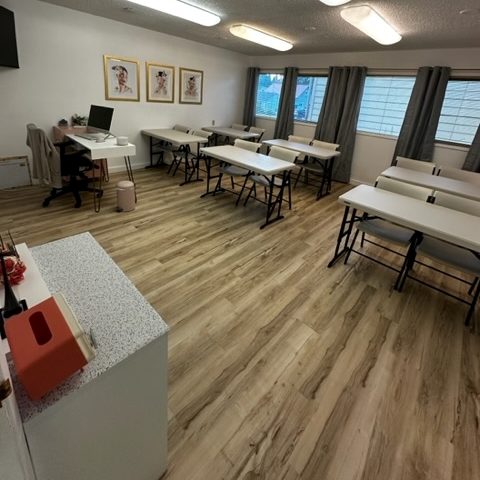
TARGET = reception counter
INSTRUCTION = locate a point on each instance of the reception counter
(108, 421)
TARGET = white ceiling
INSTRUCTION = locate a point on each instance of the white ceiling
(309, 24)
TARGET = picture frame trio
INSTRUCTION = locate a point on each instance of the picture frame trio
(122, 81)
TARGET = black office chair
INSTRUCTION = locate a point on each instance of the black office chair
(52, 163)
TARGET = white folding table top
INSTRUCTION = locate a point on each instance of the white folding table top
(310, 150)
(231, 132)
(442, 184)
(446, 224)
(105, 149)
(174, 137)
(240, 157)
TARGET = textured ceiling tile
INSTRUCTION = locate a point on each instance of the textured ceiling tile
(309, 24)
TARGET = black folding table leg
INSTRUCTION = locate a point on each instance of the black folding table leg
(343, 235)
(208, 164)
(218, 185)
(269, 204)
(128, 166)
(272, 206)
(185, 177)
(329, 174)
(151, 152)
(471, 309)
(247, 176)
(409, 261)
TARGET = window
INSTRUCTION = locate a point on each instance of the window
(309, 98)
(384, 103)
(268, 94)
(460, 114)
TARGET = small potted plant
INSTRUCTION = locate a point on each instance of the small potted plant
(79, 120)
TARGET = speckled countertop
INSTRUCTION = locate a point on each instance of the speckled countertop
(103, 299)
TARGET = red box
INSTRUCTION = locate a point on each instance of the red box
(47, 345)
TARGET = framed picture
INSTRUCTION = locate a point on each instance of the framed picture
(122, 78)
(160, 82)
(191, 86)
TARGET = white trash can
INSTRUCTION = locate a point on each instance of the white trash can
(125, 196)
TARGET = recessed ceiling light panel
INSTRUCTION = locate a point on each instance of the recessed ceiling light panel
(262, 38)
(334, 3)
(371, 23)
(182, 10)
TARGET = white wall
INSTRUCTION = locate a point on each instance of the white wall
(61, 73)
(373, 153)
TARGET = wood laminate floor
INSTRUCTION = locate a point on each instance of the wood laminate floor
(280, 368)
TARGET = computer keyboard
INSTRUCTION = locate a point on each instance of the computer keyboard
(91, 136)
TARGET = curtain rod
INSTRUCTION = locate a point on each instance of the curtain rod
(474, 72)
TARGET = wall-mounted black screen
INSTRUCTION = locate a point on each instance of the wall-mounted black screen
(8, 40)
(100, 118)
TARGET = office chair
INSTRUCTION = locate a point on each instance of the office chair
(52, 165)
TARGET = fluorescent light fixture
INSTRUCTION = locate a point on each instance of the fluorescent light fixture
(371, 23)
(256, 36)
(334, 3)
(182, 10)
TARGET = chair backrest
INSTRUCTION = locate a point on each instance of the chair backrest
(297, 139)
(457, 203)
(46, 164)
(239, 126)
(284, 154)
(426, 167)
(327, 145)
(260, 131)
(395, 186)
(201, 133)
(181, 128)
(458, 174)
(252, 146)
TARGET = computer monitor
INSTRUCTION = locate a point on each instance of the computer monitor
(99, 119)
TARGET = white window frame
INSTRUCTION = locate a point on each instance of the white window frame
(389, 74)
(447, 142)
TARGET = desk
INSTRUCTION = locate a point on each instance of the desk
(441, 184)
(316, 153)
(59, 134)
(107, 149)
(254, 163)
(230, 132)
(109, 421)
(175, 138)
(443, 223)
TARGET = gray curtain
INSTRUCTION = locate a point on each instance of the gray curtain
(417, 135)
(250, 96)
(472, 162)
(337, 122)
(284, 123)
